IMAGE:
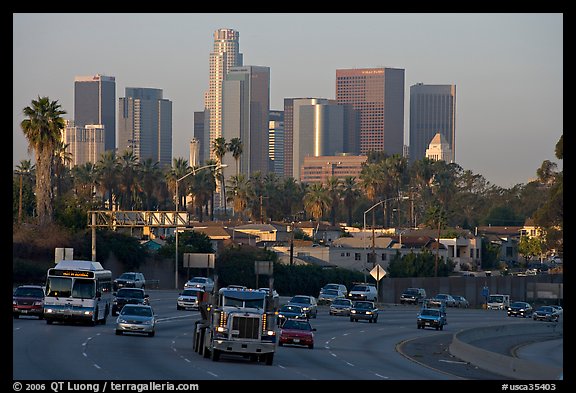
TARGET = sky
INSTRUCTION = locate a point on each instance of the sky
(507, 68)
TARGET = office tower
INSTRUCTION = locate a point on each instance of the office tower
(145, 125)
(226, 55)
(194, 160)
(276, 142)
(95, 103)
(312, 127)
(318, 131)
(199, 135)
(378, 95)
(245, 110)
(432, 110)
(85, 144)
(439, 149)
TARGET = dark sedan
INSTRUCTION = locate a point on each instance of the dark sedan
(520, 309)
(129, 296)
(546, 313)
(289, 311)
(364, 310)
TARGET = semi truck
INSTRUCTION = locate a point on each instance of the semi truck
(240, 322)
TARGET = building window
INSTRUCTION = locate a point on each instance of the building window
(384, 256)
(357, 256)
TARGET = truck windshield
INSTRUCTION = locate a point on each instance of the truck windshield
(496, 299)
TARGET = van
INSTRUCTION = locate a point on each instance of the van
(363, 292)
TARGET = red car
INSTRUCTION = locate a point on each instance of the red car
(297, 332)
(28, 300)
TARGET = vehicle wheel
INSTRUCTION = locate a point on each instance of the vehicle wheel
(441, 327)
(49, 322)
(418, 326)
(178, 307)
(437, 327)
(118, 332)
(151, 334)
(270, 359)
(206, 353)
(215, 355)
(376, 320)
(280, 344)
(40, 316)
(311, 346)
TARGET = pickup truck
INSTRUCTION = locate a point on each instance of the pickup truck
(431, 317)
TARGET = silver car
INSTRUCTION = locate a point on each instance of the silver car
(341, 306)
(136, 318)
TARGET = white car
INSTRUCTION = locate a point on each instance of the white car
(188, 298)
(205, 283)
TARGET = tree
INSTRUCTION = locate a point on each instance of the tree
(23, 170)
(42, 128)
(108, 169)
(436, 218)
(316, 201)
(530, 247)
(219, 148)
(235, 147)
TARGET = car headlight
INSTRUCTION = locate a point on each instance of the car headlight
(306, 308)
(121, 320)
(353, 311)
(148, 323)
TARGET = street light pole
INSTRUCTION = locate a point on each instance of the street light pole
(178, 208)
(373, 234)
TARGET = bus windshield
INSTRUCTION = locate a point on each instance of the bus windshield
(59, 286)
(63, 287)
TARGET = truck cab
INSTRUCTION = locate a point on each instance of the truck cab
(498, 302)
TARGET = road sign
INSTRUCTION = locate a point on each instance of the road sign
(378, 272)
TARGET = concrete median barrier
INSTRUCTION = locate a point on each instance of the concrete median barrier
(465, 346)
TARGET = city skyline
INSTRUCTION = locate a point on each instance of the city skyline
(507, 67)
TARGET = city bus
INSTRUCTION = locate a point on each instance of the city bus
(78, 291)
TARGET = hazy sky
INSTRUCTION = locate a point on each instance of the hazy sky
(507, 68)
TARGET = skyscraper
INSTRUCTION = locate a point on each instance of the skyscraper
(432, 110)
(85, 144)
(95, 103)
(378, 94)
(226, 55)
(276, 141)
(145, 125)
(246, 107)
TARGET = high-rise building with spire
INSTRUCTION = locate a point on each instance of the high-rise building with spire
(226, 54)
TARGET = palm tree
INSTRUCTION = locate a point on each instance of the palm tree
(25, 168)
(150, 175)
(235, 147)
(128, 179)
(43, 128)
(239, 194)
(349, 194)
(333, 186)
(219, 148)
(85, 181)
(62, 160)
(179, 169)
(316, 201)
(436, 218)
(107, 168)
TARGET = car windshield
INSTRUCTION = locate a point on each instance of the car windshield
(300, 299)
(29, 292)
(363, 305)
(360, 288)
(133, 293)
(546, 309)
(190, 292)
(330, 286)
(330, 292)
(198, 281)
(127, 276)
(138, 311)
(411, 291)
(341, 302)
(297, 325)
(433, 313)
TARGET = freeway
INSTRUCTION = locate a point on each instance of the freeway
(392, 349)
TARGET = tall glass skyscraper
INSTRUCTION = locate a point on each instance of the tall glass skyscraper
(226, 55)
(95, 103)
(432, 111)
(145, 125)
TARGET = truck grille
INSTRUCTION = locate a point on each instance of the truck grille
(248, 327)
